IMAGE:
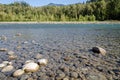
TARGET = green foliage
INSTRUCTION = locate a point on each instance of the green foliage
(91, 11)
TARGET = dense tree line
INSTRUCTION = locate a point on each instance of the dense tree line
(90, 11)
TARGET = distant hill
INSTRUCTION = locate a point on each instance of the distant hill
(53, 4)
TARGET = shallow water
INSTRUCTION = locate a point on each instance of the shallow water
(57, 41)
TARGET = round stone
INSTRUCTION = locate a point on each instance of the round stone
(7, 68)
(42, 61)
(28, 61)
(10, 53)
(74, 74)
(18, 73)
(2, 65)
(3, 49)
(5, 62)
(31, 67)
(3, 37)
(12, 57)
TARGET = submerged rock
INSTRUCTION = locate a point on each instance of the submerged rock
(29, 61)
(3, 49)
(18, 34)
(7, 68)
(5, 62)
(11, 53)
(99, 50)
(2, 65)
(12, 57)
(42, 61)
(38, 56)
(31, 67)
(18, 73)
(3, 37)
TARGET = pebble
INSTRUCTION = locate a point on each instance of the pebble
(99, 50)
(12, 57)
(3, 37)
(18, 34)
(96, 77)
(18, 73)
(38, 56)
(5, 62)
(31, 67)
(2, 65)
(7, 68)
(29, 61)
(66, 78)
(60, 76)
(3, 49)
(25, 42)
(10, 53)
(42, 61)
(74, 74)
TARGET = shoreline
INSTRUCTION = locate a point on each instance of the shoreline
(69, 22)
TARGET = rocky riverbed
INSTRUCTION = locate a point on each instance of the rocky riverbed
(69, 56)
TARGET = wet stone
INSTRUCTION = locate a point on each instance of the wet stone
(96, 77)
(74, 74)
(99, 50)
(7, 68)
(3, 49)
(18, 73)
(60, 75)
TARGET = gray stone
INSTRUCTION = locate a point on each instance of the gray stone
(11, 53)
(60, 75)
(74, 74)
(96, 77)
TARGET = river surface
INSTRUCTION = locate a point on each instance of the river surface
(56, 41)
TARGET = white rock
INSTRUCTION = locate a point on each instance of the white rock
(18, 72)
(29, 61)
(7, 68)
(25, 42)
(3, 49)
(5, 62)
(10, 63)
(10, 53)
(2, 65)
(31, 67)
(42, 61)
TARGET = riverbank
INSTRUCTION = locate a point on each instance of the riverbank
(57, 22)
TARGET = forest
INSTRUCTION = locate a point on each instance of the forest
(92, 10)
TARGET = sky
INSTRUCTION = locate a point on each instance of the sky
(44, 2)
